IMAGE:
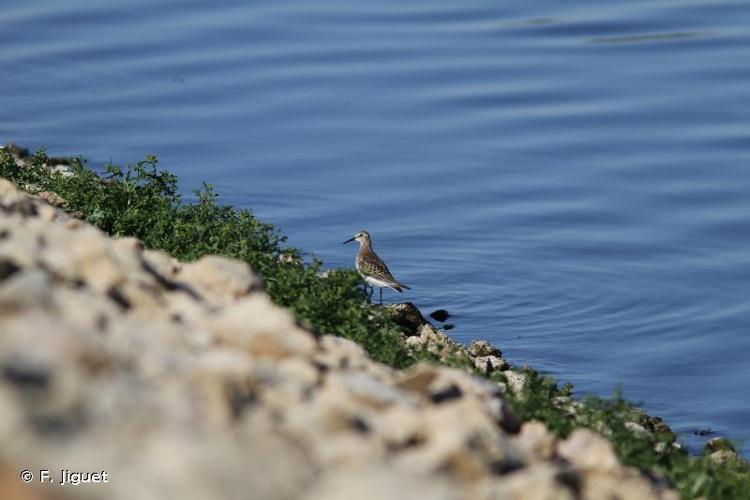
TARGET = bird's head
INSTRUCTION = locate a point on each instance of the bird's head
(361, 237)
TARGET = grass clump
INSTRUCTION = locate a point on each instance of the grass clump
(142, 201)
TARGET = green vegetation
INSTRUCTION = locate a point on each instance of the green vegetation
(144, 202)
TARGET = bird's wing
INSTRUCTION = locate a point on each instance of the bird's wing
(371, 265)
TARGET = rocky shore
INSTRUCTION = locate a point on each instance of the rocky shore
(184, 380)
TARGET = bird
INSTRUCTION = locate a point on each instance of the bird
(372, 268)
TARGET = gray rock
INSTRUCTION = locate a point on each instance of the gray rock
(722, 456)
(515, 381)
(718, 444)
(213, 275)
(489, 364)
(481, 348)
(408, 317)
(589, 451)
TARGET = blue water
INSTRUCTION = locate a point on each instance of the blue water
(570, 179)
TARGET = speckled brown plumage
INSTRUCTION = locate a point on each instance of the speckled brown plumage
(372, 267)
(369, 264)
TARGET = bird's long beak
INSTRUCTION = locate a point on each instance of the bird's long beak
(347, 241)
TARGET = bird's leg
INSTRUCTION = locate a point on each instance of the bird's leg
(369, 297)
(381, 296)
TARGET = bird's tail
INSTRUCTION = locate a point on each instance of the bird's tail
(404, 286)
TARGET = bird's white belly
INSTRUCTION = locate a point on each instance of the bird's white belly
(376, 282)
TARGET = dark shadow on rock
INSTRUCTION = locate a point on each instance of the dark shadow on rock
(408, 317)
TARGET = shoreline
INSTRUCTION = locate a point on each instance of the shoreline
(538, 427)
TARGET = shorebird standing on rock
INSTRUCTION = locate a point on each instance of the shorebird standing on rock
(372, 268)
